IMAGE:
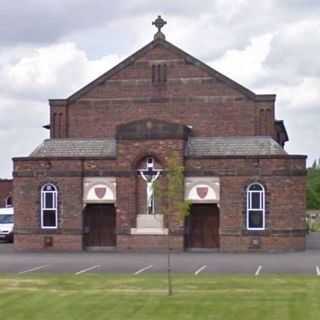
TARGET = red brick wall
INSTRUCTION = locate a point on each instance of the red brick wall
(36, 242)
(58, 123)
(267, 243)
(28, 232)
(130, 154)
(67, 176)
(150, 242)
(283, 178)
(285, 201)
(265, 119)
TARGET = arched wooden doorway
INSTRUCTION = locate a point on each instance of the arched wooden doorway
(99, 225)
(202, 227)
(202, 224)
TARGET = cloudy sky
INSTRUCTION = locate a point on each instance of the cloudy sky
(50, 48)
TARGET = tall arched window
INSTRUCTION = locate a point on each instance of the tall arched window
(255, 207)
(49, 207)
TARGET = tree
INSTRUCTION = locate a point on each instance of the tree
(314, 164)
(173, 206)
(313, 187)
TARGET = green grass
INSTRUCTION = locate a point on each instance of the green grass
(116, 297)
(314, 226)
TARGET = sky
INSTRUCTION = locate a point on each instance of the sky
(51, 48)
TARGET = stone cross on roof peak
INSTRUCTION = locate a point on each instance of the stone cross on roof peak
(159, 23)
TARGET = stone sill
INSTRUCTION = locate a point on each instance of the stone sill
(149, 231)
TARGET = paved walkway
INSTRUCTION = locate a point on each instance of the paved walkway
(257, 264)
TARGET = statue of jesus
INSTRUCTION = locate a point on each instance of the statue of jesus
(150, 175)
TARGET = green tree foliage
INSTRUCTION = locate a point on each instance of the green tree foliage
(173, 205)
(313, 186)
(172, 192)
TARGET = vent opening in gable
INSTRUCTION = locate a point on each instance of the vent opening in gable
(159, 73)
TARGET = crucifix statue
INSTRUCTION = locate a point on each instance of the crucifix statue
(150, 175)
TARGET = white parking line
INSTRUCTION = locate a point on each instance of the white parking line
(318, 271)
(199, 270)
(258, 271)
(33, 269)
(143, 269)
(87, 269)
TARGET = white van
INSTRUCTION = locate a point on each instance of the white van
(6, 224)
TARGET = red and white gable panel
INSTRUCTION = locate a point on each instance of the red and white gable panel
(99, 190)
(202, 189)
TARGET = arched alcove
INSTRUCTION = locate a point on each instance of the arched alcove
(149, 219)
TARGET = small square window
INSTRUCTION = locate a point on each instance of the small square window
(255, 219)
(49, 219)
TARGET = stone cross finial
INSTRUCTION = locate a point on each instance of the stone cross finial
(159, 23)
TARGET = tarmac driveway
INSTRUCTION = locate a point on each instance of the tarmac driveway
(195, 263)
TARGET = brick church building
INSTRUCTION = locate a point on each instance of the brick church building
(91, 185)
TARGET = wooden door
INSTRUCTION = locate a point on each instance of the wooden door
(202, 226)
(99, 225)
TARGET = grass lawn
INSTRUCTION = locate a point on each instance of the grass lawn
(117, 297)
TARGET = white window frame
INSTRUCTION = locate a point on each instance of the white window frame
(54, 204)
(262, 205)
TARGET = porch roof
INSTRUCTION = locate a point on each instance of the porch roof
(233, 146)
(196, 147)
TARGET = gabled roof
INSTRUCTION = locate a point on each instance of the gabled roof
(190, 59)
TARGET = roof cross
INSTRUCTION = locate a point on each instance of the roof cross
(159, 23)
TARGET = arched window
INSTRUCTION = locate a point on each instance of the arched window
(9, 202)
(49, 207)
(255, 207)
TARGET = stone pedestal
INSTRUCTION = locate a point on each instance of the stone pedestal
(149, 224)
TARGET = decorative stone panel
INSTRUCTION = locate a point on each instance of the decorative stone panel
(202, 189)
(99, 190)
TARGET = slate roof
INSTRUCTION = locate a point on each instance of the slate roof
(76, 148)
(236, 146)
(196, 147)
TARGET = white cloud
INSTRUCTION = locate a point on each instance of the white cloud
(28, 79)
(20, 129)
(305, 95)
(52, 71)
(245, 65)
(284, 63)
(294, 51)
